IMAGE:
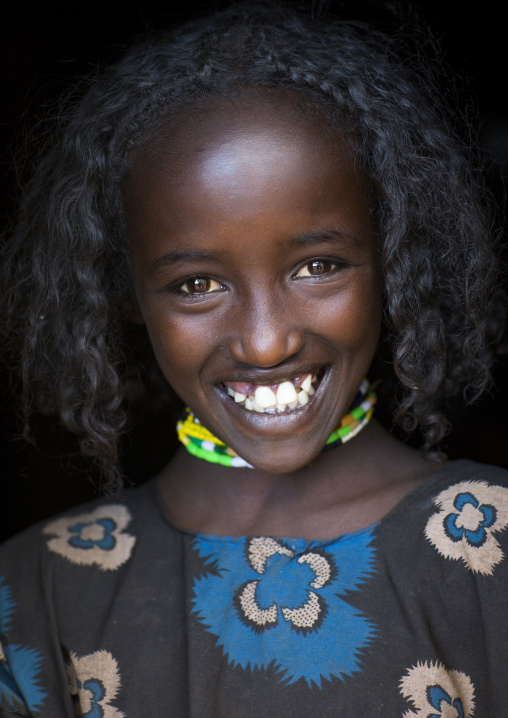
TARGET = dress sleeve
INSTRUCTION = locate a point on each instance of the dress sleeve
(19, 664)
(33, 680)
(468, 533)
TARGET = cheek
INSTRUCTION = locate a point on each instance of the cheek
(353, 320)
(180, 345)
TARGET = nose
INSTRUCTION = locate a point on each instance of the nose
(266, 333)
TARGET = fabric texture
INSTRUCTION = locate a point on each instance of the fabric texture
(109, 611)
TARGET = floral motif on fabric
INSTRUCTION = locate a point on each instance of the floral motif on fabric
(96, 538)
(282, 604)
(436, 692)
(305, 617)
(94, 683)
(19, 665)
(469, 515)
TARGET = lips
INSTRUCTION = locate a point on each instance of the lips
(284, 397)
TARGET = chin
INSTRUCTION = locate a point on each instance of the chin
(279, 459)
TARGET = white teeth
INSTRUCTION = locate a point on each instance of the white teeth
(307, 383)
(303, 398)
(285, 397)
(286, 393)
(265, 397)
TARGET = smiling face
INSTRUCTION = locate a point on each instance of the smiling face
(255, 263)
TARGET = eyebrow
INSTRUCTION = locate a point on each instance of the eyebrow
(182, 256)
(308, 239)
(322, 235)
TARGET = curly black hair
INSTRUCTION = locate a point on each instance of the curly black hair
(66, 288)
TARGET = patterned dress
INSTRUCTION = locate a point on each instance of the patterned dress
(111, 612)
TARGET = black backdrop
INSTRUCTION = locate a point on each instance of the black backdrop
(45, 47)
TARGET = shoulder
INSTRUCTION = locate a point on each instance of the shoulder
(470, 518)
(101, 532)
(479, 490)
(458, 517)
(34, 567)
(453, 478)
(471, 470)
(60, 583)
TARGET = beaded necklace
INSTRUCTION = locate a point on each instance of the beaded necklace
(202, 443)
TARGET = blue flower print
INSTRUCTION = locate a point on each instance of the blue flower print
(95, 683)
(471, 521)
(97, 537)
(97, 691)
(19, 665)
(284, 587)
(282, 603)
(437, 696)
(470, 514)
(437, 692)
(106, 542)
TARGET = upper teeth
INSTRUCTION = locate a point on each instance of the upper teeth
(307, 383)
(286, 396)
(264, 397)
(286, 393)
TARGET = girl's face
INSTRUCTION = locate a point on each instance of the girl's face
(255, 262)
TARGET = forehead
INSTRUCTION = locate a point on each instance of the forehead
(223, 136)
(258, 157)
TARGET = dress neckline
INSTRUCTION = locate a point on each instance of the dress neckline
(412, 497)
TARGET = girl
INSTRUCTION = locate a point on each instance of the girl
(274, 202)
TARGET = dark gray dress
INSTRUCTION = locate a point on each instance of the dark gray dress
(111, 612)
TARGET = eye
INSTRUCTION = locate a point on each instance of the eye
(316, 268)
(200, 285)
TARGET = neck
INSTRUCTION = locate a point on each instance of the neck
(321, 500)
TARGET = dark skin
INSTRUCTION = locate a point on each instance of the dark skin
(255, 259)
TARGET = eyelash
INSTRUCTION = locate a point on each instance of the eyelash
(334, 266)
(178, 288)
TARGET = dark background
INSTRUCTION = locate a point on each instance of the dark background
(45, 49)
